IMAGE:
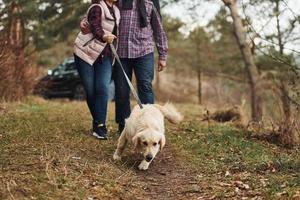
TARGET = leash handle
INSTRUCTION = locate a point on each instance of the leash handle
(113, 49)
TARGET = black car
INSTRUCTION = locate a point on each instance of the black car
(64, 81)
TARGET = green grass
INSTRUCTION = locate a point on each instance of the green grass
(46, 153)
(214, 149)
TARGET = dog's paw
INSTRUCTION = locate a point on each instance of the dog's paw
(116, 157)
(143, 166)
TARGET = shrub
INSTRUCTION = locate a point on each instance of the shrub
(16, 73)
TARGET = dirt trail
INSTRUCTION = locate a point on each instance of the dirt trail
(168, 178)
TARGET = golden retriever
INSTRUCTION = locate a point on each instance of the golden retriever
(145, 129)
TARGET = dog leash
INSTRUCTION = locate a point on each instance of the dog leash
(114, 51)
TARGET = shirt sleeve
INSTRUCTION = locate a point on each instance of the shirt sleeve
(94, 19)
(160, 36)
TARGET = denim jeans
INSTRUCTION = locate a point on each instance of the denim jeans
(96, 80)
(143, 68)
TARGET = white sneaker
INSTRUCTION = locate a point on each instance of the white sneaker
(98, 136)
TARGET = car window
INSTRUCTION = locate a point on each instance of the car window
(70, 67)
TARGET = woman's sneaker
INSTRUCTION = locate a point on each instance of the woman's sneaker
(100, 131)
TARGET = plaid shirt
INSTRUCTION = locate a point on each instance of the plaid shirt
(135, 41)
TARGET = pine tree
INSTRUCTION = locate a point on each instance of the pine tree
(27, 27)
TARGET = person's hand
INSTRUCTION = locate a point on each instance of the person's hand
(162, 64)
(84, 26)
(109, 38)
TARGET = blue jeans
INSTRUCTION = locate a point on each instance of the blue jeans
(143, 68)
(96, 80)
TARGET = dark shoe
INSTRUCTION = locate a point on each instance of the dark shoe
(100, 131)
(121, 128)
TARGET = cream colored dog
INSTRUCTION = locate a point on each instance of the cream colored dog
(145, 129)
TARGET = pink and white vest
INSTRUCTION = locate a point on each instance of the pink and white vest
(89, 49)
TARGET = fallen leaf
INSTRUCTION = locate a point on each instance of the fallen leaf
(237, 190)
(227, 173)
(242, 185)
(224, 184)
(279, 194)
(263, 182)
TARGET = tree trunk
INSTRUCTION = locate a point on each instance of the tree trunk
(250, 66)
(17, 41)
(16, 33)
(288, 133)
(199, 73)
(286, 104)
(279, 35)
(15, 26)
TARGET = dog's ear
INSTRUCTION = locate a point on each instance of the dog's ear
(162, 142)
(136, 140)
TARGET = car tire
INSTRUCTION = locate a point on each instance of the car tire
(79, 93)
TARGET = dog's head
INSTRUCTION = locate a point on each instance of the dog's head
(149, 142)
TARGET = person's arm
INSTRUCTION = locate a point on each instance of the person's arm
(95, 21)
(160, 38)
(84, 26)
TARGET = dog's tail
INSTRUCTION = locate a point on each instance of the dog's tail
(170, 112)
